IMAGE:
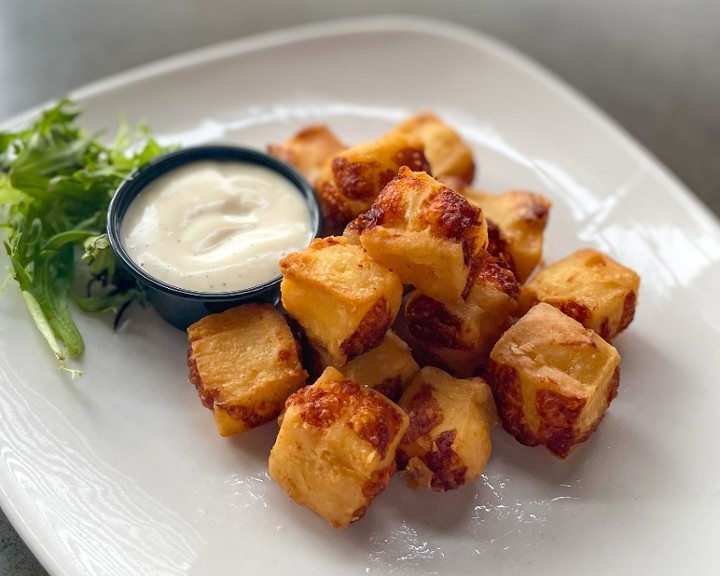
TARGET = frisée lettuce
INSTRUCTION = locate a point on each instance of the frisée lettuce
(56, 182)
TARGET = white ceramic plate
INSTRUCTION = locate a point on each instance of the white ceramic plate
(122, 472)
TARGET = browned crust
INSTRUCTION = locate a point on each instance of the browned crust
(505, 384)
(373, 487)
(335, 210)
(614, 385)
(351, 178)
(448, 214)
(255, 416)
(371, 330)
(391, 388)
(431, 322)
(475, 264)
(493, 272)
(369, 413)
(446, 465)
(498, 246)
(425, 357)
(364, 180)
(536, 210)
(582, 314)
(628, 313)
(424, 413)
(205, 395)
(558, 415)
(575, 310)
(321, 407)
(388, 208)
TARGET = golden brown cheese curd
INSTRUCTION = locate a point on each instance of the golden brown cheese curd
(447, 443)
(244, 363)
(431, 236)
(521, 218)
(458, 336)
(590, 287)
(350, 181)
(343, 300)
(307, 150)
(336, 448)
(447, 154)
(552, 379)
(389, 368)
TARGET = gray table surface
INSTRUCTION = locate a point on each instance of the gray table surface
(652, 65)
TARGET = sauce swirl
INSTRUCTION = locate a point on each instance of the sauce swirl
(216, 226)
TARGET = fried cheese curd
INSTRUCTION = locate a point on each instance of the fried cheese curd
(388, 368)
(308, 150)
(336, 448)
(343, 299)
(447, 154)
(447, 443)
(552, 379)
(349, 181)
(458, 336)
(590, 287)
(520, 218)
(244, 363)
(427, 233)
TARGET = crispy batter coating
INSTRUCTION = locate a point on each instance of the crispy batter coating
(447, 443)
(244, 363)
(350, 181)
(521, 218)
(448, 156)
(431, 236)
(552, 379)
(389, 368)
(458, 336)
(307, 150)
(344, 300)
(336, 448)
(589, 286)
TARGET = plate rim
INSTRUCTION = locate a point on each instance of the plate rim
(345, 27)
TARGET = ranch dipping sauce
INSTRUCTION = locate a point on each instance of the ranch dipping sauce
(214, 226)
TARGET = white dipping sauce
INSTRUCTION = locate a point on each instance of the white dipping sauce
(216, 226)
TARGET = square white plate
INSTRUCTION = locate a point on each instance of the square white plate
(122, 472)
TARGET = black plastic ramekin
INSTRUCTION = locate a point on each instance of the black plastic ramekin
(181, 307)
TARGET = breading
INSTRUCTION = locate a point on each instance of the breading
(307, 150)
(521, 218)
(447, 443)
(244, 363)
(336, 448)
(589, 286)
(458, 336)
(431, 236)
(552, 379)
(447, 154)
(344, 301)
(350, 181)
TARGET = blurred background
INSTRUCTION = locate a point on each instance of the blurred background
(651, 65)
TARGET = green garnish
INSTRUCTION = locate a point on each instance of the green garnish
(56, 182)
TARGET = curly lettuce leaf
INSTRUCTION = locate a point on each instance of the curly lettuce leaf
(56, 183)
